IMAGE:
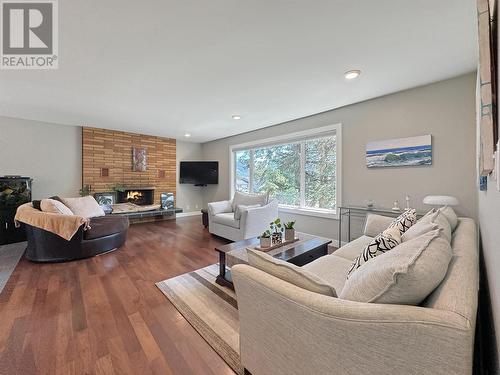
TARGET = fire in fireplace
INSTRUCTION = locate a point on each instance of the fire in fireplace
(140, 196)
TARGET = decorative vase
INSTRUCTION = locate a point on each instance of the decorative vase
(276, 238)
(265, 242)
(289, 234)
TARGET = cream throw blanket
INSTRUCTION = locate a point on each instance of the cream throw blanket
(64, 226)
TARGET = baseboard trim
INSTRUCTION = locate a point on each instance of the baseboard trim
(186, 214)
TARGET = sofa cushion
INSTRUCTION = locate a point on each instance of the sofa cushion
(227, 219)
(84, 206)
(106, 225)
(352, 249)
(421, 227)
(404, 221)
(241, 208)
(376, 224)
(427, 223)
(55, 207)
(385, 241)
(405, 275)
(290, 273)
(450, 215)
(331, 268)
(248, 199)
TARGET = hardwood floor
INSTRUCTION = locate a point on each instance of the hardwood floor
(104, 315)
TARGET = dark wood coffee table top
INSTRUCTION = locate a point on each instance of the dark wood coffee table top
(307, 243)
(302, 252)
(237, 245)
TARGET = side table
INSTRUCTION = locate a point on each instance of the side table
(204, 217)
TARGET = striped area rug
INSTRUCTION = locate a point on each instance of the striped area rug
(210, 308)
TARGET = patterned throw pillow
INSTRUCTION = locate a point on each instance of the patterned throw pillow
(405, 220)
(385, 241)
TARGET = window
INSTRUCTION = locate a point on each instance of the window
(299, 170)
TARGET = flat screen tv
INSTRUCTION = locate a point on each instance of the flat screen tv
(199, 172)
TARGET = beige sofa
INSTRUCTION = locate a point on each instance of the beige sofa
(288, 330)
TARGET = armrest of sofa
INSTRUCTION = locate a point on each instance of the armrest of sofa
(215, 208)
(255, 220)
(294, 331)
(376, 224)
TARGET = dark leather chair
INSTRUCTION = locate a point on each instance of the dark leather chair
(107, 233)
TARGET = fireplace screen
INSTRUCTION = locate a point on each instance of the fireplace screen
(137, 196)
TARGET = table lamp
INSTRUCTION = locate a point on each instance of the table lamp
(441, 200)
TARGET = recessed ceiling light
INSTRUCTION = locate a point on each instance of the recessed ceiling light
(352, 74)
(236, 117)
(187, 135)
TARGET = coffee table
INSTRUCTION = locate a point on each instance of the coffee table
(299, 253)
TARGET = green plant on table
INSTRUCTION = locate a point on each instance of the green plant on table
(276, 226)
(289, 224)
(266, 234)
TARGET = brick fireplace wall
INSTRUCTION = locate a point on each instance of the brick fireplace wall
(107, 161)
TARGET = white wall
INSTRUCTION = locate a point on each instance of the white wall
(489, 224)
(189, 197)
(445, 110)
(51, 154)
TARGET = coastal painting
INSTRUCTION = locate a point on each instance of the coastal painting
(401, 152)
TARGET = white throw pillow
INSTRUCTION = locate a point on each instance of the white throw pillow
(450, 215)
(385, 241)
(404, 221)
(84, 206)
(55, 207)
(435, 219)
(289, 272)
(248, 199)
(405, 275)
(241, 208)
(420, 227)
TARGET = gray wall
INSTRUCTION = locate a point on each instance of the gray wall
(189, 197)
(444, 109)
(489, 223)
(51, 154)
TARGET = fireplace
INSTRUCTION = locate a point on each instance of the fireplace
(140, 196)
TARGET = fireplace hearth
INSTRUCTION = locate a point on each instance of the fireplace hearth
(140, 196)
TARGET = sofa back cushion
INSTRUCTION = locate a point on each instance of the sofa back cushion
(248, 199)
(406, 275)
(450, 215)
(84, 206)
(432, 220)
(290, 273)
(55, 207)
(458, 292)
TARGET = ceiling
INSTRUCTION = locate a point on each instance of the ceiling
(169, 67)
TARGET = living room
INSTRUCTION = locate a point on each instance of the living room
(214, 208)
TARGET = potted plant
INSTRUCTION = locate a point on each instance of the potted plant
(265, 239)
(289, 231)
(276, 232)
(85, 190)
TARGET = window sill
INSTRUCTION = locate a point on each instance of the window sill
(327, 214)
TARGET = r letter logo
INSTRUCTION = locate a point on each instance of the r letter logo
(29, 34)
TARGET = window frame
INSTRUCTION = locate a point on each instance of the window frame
(324, 131)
